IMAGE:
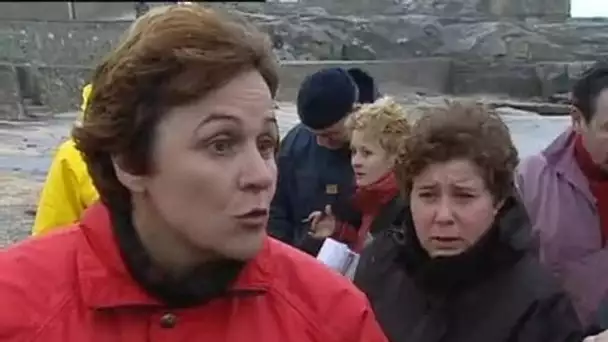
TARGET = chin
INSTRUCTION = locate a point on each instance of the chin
(244, 249)
(444, 253)
(362, 182)
(333, 147)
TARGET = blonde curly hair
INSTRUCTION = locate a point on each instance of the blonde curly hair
(384, 121)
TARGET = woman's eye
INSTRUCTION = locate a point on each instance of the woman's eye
(267, 148)
(425, 195)
(464, 196)
(366, 153)
(222, 147)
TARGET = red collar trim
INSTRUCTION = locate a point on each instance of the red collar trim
(593, 172)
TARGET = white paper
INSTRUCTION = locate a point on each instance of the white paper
(338, 257)
(352, 267)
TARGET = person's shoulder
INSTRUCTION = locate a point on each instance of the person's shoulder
(378, 257)
(543, 302)
(535, 280)
(68, 153)
(533, 174)
(37, 280)
(298, 139)
(534, 164)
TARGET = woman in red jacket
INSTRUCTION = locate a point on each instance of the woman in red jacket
(378, 131)
(179, 139)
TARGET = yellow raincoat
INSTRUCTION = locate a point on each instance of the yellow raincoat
(68, 189)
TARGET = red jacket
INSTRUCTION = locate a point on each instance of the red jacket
(369, 200)
(72, 286)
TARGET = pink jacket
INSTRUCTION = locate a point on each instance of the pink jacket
(564, 214)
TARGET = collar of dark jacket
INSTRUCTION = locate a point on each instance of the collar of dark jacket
(504, 243)
(116, 271)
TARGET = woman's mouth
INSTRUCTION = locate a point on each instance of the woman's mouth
(254, 218)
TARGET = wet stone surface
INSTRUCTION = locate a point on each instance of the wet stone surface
(26, 150)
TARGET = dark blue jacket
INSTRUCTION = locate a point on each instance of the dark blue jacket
(310, 177)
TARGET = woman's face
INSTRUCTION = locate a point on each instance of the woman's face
(214, 172)
(451, 207)
(370, 161)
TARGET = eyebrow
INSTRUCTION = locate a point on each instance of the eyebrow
(463, 185)
(225, 117)
(426, 186)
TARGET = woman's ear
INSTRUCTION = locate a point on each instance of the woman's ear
(135, 183)
(498, 206)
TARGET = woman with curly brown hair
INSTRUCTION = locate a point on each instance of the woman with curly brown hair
(462, 266)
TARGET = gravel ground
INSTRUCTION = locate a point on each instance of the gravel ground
(26, 150)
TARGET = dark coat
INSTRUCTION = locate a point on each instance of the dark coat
(310, 177)
(495, 292)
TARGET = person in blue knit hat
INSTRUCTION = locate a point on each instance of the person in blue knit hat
(314, 158)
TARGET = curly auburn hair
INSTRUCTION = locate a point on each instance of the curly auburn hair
(461, 131)
(171, 56)
(384, 121)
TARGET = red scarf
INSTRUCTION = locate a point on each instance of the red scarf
(598, 182)
(369, 200)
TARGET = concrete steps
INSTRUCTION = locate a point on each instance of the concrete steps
(34, 111)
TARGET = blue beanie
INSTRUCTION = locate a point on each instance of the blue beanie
(368, 92)
(326, 97)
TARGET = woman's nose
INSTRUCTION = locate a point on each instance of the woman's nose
(444, 213)
(257, 171)
(355, 160)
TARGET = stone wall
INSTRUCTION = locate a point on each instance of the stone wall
(424, 74)
(50, 43)
(10, 96)
(54, 60)
(59, 87)
(437, 46)
(59, 10)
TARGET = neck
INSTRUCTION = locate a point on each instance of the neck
(387, 180)
(167, 248)
(163, 264)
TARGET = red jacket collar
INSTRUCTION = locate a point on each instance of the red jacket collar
(593, 172)
(105, 281)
